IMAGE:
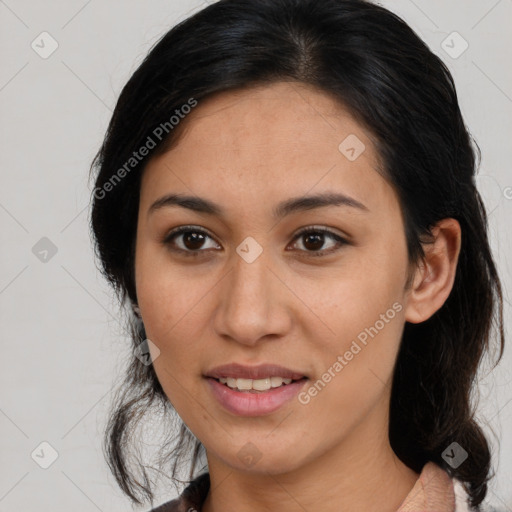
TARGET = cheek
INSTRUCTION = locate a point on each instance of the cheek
(364, 311)
(364, 345)
(356, 299)
(162, 292)
(170, 317)
(168, 307)
(163, 299)
(357, 369)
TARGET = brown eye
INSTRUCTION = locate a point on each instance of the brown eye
(190, 240)
(193, 240)
(314, 239)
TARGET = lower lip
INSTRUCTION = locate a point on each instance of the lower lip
(254, 404)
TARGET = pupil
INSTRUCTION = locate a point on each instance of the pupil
(194, 238)
(316, 237)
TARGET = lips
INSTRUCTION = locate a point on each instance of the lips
(238, 371)
(252, 404)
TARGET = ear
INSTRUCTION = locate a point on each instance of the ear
(435, 275)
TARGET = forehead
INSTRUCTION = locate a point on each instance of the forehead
(290, 115)
(268, 141)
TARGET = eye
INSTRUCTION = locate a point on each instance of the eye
(191, 240)
(315, 238)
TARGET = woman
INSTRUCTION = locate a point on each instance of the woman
(286, 198)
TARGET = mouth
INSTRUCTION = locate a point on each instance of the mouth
(250, 402)
(254, 390)
(261, 372)
(264, 385)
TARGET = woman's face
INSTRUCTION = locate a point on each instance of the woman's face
(240, 286)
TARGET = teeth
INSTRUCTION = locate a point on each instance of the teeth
(254, 384)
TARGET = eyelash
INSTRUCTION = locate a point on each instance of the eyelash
(305, 231)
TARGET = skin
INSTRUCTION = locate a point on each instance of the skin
(247, 151)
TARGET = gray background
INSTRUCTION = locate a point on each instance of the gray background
(62, 347)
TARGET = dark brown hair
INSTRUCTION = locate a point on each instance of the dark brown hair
(373, 63)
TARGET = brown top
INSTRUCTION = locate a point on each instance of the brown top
(432, 492)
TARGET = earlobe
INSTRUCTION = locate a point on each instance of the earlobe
(435, 275)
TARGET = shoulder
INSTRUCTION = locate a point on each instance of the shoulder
(191, 499)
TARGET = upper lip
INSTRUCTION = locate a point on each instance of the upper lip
(239, 371)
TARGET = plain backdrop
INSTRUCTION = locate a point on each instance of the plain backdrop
(62, 347)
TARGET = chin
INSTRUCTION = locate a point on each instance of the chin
(264, 461)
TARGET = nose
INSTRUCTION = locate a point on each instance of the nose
(253, 302)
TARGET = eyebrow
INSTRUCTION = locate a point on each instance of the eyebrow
(293, 205)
